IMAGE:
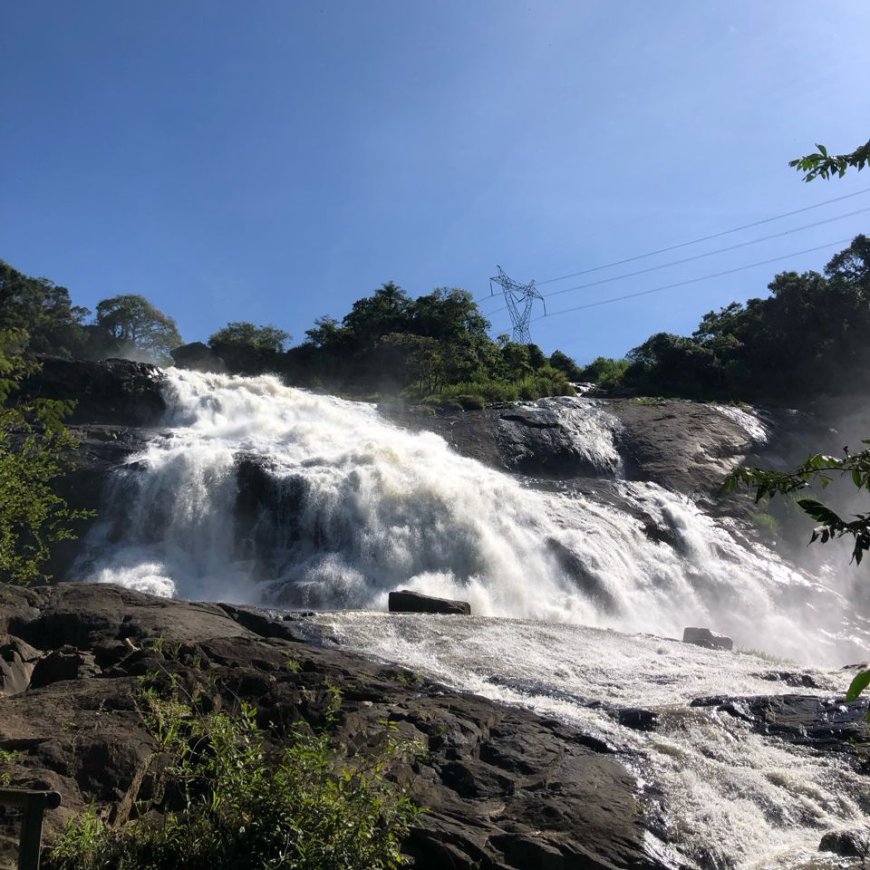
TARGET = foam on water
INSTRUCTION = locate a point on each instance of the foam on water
(349, 507)
(733, 798)
(357, 507)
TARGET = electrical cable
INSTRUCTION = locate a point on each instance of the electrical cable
(690, 280)
(695, 257)
(704, 238)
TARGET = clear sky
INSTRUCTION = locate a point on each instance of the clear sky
(274, 160)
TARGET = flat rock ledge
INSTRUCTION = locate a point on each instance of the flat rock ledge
(502, 787)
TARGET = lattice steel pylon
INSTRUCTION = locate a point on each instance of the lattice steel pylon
(519, 298)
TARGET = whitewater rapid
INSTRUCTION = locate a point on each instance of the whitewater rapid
(350, 507)
(258, 493)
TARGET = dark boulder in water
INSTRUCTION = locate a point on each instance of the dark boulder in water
(405, 601)
(848, 844)
(705, 638)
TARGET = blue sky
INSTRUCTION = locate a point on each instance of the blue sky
(275, 160)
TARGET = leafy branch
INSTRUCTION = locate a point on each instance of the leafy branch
(816, 469)
(820, 164)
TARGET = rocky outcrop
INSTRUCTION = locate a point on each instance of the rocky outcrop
(404, 601)
(502, 787)
(115, 392)
(821, 724)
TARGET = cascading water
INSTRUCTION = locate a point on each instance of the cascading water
(346, 507)
(260, 493)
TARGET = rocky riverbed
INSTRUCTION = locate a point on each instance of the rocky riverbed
(501, 786)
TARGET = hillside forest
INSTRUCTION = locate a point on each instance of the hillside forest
(806, 338)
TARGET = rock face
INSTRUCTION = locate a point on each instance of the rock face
(502, 787)
(404, 601)
(111, 392)
(686, 446)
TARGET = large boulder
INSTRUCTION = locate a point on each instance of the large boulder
(405, 601)
(705, 638)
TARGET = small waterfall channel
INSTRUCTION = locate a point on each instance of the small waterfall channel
(259, 493)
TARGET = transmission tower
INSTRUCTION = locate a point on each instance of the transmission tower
(519, 298)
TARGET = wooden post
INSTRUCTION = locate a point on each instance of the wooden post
(32, 805)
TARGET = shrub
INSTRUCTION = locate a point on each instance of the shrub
(230, 799)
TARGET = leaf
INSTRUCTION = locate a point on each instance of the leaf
(861, 681)
(819, 512)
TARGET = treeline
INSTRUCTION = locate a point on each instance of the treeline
(433, 349)
(810, 337)
(126, 326)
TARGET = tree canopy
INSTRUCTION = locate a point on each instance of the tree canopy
(133, 328)
(807, 338)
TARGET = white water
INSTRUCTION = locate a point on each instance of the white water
(357, 507)
(353, 507)
(733, 798)
(748, 420)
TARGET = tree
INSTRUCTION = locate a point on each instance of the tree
(249, 349)
(40, 310)
(820, 164)
(35, 449)
(130, 326)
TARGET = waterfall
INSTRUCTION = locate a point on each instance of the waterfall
(260, 493)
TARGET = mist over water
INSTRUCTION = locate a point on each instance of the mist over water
(350, 507)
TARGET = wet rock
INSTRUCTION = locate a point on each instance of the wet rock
(113, 391)
(502, 787)
(823, 724)
(405, 601)
(638, 718)
(848, 844)
(705, 638)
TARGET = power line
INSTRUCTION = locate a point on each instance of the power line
(705, 238)
(709, 253)
(691, 280)
(657, 268)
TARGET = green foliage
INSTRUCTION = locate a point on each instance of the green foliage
(816, 469)
(35, 449)
(820, 164)
(231, 798)
(249, 349)
(42, 311)
(606, 372)
(130, 326)
(808, 338)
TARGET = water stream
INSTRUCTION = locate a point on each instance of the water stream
(260, 493)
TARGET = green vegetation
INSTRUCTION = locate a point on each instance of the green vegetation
(127, 325)
(228, 796)
(35, 449)
(433, 350)
(605, 372)
(820, 164)
(852, 269)
(130, 326)
(808, 338)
